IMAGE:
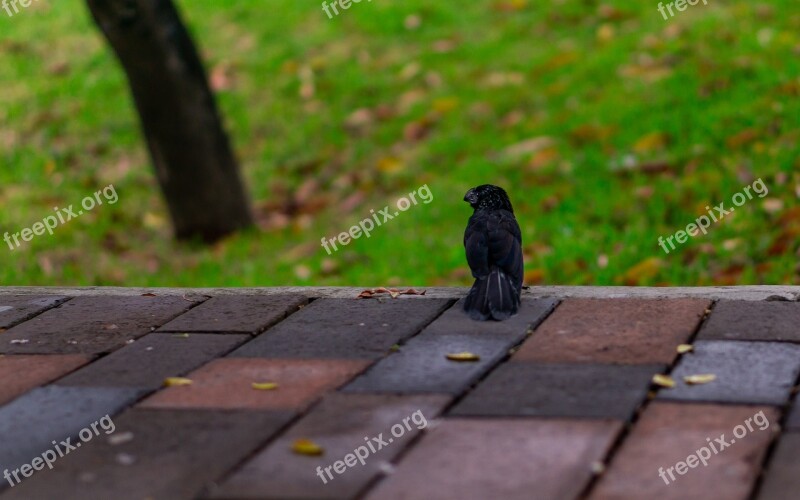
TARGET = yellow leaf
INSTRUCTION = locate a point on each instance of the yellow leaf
(445, 105)
(663, 381)
(463, 356)
(605, 32)
(390, 165)
(684, 348)
(264, 386)
(176, 381)
(651, 142)
(151, 220)
(642, 271)
(699, 379)
(307, 447)
(533, 276)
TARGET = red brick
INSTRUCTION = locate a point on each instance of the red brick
(19, 374)
(226, 384)
(501, 458)
(625, 331)
(668, 433)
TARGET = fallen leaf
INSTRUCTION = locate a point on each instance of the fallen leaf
(645, 270)
(684, 348)
(307, 447)
(393, 292)
(463, 356)
(412, 22)
(663, 381)
(359, 119)
(605, 32)
(390, 165)
(533, 276)
(528, 147)
(264, 386)
(417, 130)
(743, 138)
(120, 438)
(176, 381)
(445, 104)
(510, 5)
(699, 379)
(651, 142)
(598, 467)
(221, 77)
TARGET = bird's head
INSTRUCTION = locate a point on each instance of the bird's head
(489, 197)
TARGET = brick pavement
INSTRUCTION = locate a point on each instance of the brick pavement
(293, 395)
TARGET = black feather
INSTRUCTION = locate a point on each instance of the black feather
(493, 243)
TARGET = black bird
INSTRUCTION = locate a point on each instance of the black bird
(493, 243)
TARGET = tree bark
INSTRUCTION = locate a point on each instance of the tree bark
(194, 163)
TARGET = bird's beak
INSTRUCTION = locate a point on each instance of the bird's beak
(471, 197)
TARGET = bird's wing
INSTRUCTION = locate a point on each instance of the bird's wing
(505, 244)
(477, 246)
(494, 239)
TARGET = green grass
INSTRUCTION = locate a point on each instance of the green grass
(647, 120)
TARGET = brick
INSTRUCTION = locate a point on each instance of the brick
(345, 329)
(624, 331)
(15, 309)
(148, 361)
(236, 314)
(749, 320)
(781, 479)
(23, 373)
(747, 372)
(174, 454)
(92, 325)
(339, 424)
(30, 423)
(531, 313)
(669, 433)
(227, 384)
(560, 390)
(421, 365)
(500, 458)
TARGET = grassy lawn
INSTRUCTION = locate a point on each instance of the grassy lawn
(608, 125)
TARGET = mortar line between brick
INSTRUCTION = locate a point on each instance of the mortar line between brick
(786, 411)
(35, 314)
(284, 316)
(206, 491)
(627, 430)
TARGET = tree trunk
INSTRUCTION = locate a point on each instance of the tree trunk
(194, 162)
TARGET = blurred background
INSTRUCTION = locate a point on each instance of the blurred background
(608, 125)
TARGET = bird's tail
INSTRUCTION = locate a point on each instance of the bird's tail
(493, 296)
